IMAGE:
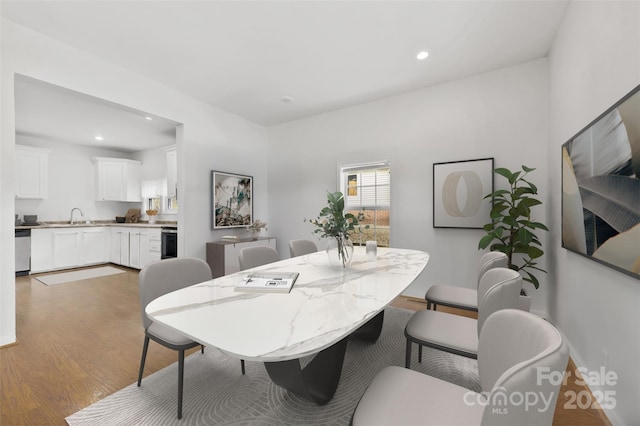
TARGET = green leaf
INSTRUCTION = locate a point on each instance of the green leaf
(532, 279)
(524, 236)
(534, 189)
(485, 241)
(537, 225)
(518, 193)
(510, 221)
(514, 177)
(530, 202)
(527, 169)
(503, 172)
(500, 247)
(535, 252)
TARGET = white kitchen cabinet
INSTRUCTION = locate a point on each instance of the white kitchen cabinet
(64, 248)
(95, 245)
(67, 246)
(172, 171)
(150, 246)
(120, 246)
(135, 247)
(222, 256)
(117, 179)
(32, 170)
(41, 250)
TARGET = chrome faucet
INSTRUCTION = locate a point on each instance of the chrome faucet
(72, 210)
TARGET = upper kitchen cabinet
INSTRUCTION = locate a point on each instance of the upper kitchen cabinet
(172, 171)
(32, 168)
(118, 179)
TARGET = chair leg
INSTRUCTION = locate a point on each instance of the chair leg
(428, 305)
(419, 353)
(180, 380)
(201, 348)
(242, 366)
(143, 359)
(407, 355)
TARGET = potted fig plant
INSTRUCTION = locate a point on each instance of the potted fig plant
(512, 231)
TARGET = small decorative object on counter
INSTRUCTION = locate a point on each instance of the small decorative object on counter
(256, 227)
(372, 251)
(132, 216)
(152, 216)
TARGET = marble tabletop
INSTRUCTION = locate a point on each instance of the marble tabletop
(325, 305)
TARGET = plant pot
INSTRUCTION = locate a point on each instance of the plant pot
(524, 303)
(340, 252)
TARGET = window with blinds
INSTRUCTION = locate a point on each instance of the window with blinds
(367, 190)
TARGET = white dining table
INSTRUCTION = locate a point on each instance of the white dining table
(325, 307)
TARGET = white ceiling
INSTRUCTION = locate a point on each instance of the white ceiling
(244, 56)
(57, 114)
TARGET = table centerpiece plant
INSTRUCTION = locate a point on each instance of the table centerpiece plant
(334, 224)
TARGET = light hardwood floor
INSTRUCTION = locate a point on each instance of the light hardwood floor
(80, 342)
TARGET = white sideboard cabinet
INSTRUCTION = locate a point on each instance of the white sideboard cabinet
(222, 256)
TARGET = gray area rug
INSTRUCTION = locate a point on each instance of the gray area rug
(216, 393)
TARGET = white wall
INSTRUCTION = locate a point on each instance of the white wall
(501, 114)
(207, 139)
(594, 62)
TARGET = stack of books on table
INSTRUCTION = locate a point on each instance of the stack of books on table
(268, 282)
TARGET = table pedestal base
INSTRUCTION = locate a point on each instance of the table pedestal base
(318, 381)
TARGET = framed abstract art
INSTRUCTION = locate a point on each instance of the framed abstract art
(459, 188)
(231, 199)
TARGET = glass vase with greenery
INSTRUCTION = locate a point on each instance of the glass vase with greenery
(332, 222)
(511, 230)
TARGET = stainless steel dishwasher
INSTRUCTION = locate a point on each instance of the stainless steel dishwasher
(23, 251)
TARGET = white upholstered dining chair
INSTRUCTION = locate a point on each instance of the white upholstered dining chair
(463, 297)
(515, 346)
(499, 288)
(157, 279)
(250, 257)
(302, 247)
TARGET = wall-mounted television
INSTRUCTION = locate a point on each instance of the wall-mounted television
(601, 188)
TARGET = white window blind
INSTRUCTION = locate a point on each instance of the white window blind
(367, 190)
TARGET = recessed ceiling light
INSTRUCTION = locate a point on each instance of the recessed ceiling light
(286, 99)
(148, 118)
(422, 55)
(99, 138)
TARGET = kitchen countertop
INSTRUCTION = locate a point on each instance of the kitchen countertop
(46, 225)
